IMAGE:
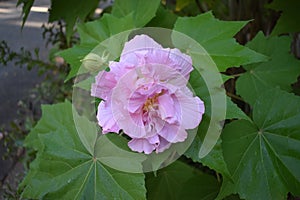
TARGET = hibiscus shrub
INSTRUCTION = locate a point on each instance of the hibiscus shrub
(179, 113)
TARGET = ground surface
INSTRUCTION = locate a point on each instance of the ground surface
(16, 83)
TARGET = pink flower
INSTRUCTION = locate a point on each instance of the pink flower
(146, 96)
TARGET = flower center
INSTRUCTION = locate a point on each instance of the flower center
(151, 102)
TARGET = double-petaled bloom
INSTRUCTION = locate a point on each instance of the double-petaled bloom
(146, 96)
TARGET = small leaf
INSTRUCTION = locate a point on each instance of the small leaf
(280, 71)
(27, 4)
(263, 156)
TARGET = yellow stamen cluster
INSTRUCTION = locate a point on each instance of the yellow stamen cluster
(151, 101)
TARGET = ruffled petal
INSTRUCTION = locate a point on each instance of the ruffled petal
(173, 133)
(181, 62)
(163, 145)
(136, 102)
(192, 109)
(172, 58)
(106, 119)
(104, 83)
(138, 43)
(141, 145)
(154, 140)
(120, 68)
(166, 108)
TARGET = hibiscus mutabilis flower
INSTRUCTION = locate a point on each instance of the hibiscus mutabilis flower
(146, 96)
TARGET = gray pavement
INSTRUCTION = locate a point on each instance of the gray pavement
(15, 82)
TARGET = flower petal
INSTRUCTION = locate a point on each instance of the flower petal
(173, 133)
(181, 62)
(136, 102)
(163, 145)
(104, 83)
(192, 109)
(154, 139)
(166, 108)
(120, 68)
(106, 119)
(138, 43)
(141, 145)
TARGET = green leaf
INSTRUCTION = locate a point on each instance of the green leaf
(85, 84)
(70, 11)
(87, 131)
(164, 18)
(73, 56)
(180, 4)
(227, 189)
(65, 168)
(214, 159)
(288, 21)
(181, 181)
(216, 37)
(27, 4)
(263, 156)
(234, 112)
(280, 71)
(94, 32)
(112, 150)
(53, 118)
(143, 11)
(91, 35)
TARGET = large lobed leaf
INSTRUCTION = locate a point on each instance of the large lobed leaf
(181, 181)
(263, 156)
(70, 11)
(280, 71)
(66, 166)
(214, 159)
(143, 11)
(217, 39)
(290, 16)
(164, 18)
